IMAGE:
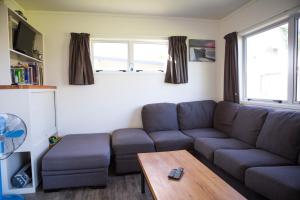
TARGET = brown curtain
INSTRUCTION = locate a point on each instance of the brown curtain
(231, 83)
(80, 66)
(177, 70)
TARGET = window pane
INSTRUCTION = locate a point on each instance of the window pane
(267, 64)
(150, 57)
(298, 58)
(109, 56)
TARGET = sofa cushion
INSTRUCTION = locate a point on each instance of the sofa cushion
(280, 134)
(207, 146)
(197, 114)
(204, 133)
(171, 140)
(224, 116)
(235, 162)
(131, 141)
(248, 123)
(160, 117)
(281, 182)
(78, 151)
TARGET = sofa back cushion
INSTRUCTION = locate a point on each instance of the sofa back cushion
(224, 116)
(299, 159)
(159, 117)
(197, 114)
(280, 134)
(248, 123)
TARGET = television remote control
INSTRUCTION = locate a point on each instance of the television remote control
(172, 173)
(176, 174)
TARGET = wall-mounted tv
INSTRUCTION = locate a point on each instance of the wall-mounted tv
(24, 39)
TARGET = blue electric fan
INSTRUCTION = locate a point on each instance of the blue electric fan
(12, 135)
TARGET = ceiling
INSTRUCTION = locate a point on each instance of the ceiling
(207, 9)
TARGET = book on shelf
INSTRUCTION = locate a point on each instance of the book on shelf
(27, 74)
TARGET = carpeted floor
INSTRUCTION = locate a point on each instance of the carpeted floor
(119, 188)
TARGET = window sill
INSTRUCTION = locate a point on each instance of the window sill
(272, 105)
(129, 73)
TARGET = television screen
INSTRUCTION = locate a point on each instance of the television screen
(24, 39)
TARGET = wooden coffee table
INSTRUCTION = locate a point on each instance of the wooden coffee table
(197, 182)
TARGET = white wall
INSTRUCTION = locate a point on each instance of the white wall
(116, 99)
(254, 13)
(12, 4)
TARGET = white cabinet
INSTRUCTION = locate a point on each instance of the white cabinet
(37, 108)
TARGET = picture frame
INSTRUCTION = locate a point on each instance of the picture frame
(202, 50)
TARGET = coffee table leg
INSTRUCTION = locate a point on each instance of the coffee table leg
(142, 183)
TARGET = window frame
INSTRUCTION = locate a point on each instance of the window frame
(292, 62)
(295, 20)
(130, 59)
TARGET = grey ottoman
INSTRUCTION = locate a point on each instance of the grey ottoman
(76, 161)
(126, 143)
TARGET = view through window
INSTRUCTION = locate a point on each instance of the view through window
(267, 64)
(150, 57)
(298, 58)
(136, 56)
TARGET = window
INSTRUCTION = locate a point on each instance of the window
(133, 56)
(267, 64)
(298, 58)
(150, 57)
(110, 56)
(270, 63)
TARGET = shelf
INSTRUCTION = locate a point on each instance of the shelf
(27, 189)
(9, 87)
(19, 18)
(24, 57)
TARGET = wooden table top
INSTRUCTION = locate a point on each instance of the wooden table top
(198, 181)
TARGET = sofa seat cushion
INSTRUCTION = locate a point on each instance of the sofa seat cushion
(204, 133)
(235, 162)
(281, 182)
(171, 140)
(197, 114)
(131, 141)
(224, 116)
(160, 117)
(280, 134)
(78, 151)
(207, 146)
(248, 123)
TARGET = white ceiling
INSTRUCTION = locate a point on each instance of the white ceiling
(208, 9)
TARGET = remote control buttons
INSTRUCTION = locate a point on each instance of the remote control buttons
(176, 174)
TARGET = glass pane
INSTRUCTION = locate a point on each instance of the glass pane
(150, 57)
(110, 56)
(267, 64)
(298, 58)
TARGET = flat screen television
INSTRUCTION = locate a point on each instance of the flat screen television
(24, 39)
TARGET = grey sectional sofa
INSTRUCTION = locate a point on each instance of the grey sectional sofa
(126, 144)
(258, 147)
(161, 123)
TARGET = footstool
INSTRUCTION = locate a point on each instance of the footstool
(126, 143)
(77, 160)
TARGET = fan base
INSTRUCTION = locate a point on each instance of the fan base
(12, 197)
